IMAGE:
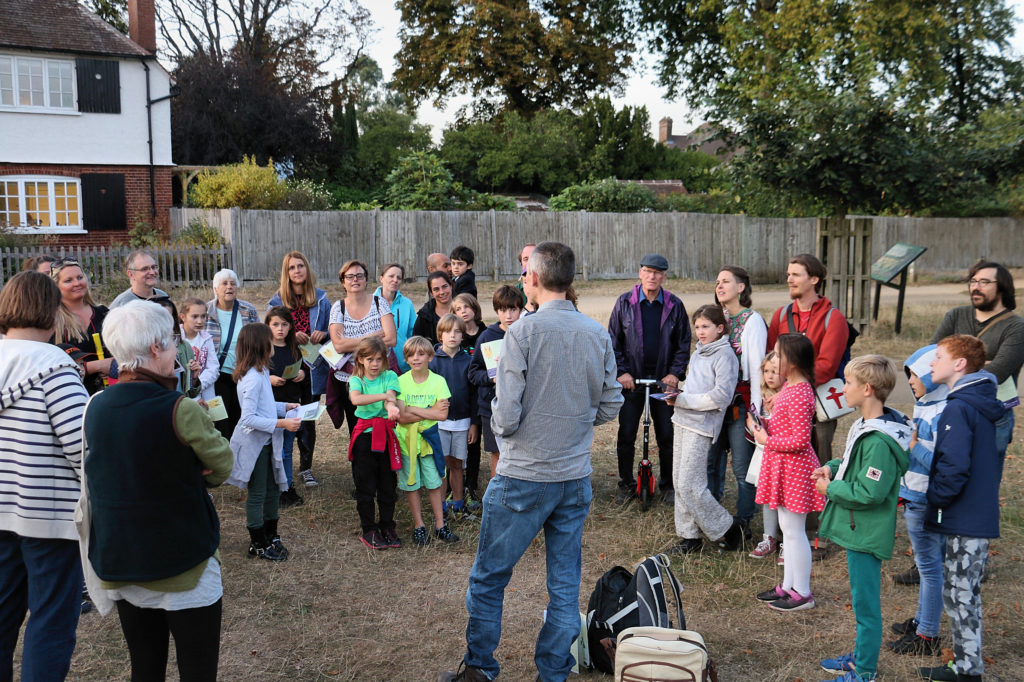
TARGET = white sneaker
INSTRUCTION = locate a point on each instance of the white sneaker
(308, 479)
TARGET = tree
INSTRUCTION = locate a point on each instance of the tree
(388, 134)
(946, 58)
(524, 55)
(229, 108)
(114, 12)
(420, 182)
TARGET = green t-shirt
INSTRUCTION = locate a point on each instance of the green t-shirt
(388, 381)
(421, 395)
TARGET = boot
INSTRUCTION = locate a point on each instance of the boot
(260, 547)
(733, 538)
(273, 538)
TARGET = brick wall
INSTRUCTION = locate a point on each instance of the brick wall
(137, 199)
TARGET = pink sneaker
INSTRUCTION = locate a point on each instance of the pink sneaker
(793, 601)
(765, 548)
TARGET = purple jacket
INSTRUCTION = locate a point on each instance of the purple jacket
(627, 331)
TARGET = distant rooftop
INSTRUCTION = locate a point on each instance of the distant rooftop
(61, 26)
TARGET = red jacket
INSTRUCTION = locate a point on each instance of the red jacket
(829, 343)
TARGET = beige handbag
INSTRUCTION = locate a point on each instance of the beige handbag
(649, 654)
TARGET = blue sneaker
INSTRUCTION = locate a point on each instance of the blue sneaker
(839, 664)
(852, 676)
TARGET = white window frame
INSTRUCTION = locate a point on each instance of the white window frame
(47, 107)
(23, 227)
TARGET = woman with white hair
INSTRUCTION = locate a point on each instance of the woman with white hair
(225, 317)
(150, 533)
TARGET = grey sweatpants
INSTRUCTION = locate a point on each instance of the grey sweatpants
(962, 570)
(696, 508)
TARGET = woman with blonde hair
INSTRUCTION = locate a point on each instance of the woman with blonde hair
(79, 318)
(310, 315)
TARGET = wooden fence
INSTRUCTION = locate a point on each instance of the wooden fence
(607, 245)
(179, 266)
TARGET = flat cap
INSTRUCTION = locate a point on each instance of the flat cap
(654, 260)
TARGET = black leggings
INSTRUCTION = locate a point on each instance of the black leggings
(228, 391)
(196, 635)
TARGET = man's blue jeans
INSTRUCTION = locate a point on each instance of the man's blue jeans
(1004, 434)
(733, 436)
(45, 577)
(514, 512)
(928, 552)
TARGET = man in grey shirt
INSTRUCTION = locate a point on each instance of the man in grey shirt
(555, 382)
(143, 274)
(990, 317)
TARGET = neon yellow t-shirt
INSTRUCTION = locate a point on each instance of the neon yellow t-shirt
(420, 395)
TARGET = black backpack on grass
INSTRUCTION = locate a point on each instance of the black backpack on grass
(623, 600)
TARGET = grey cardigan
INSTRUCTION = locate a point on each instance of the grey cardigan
(709, 388)
(256, 428)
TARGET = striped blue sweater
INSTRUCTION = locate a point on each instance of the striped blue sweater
(914, 484)
(41, 404)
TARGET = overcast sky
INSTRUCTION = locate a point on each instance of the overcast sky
(641, 88)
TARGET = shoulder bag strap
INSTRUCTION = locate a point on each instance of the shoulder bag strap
(991, 321)
(225, 341)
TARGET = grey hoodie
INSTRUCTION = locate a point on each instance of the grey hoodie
(709, 388)
(41, 404)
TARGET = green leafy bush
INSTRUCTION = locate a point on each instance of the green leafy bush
(305, 195)
(199, 233)
(471, 200)
(606, 196)
(245, 185)
(420, 182)
(716, 201)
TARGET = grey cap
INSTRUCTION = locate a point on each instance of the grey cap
(654, 260)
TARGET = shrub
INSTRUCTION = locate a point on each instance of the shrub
(305, 195)
(715, 201)
(471, 200)
(245, 185)
(606, 196)
(199, 233)
(420, 182)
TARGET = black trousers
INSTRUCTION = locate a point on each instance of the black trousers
(196, 635)
(472, 474)
(374, 479)
(227, 390)
(306, 440)
(630, 415)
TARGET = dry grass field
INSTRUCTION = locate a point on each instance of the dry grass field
(338, 611)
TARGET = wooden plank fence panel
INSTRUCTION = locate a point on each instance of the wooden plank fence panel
(608, 245)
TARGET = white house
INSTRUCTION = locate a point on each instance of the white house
(85, 122)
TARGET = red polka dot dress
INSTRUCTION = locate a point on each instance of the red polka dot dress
(789, 459)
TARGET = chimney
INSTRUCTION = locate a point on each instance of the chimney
(142, 24)
(664, 129)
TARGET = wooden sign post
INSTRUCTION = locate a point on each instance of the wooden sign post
(895, 261)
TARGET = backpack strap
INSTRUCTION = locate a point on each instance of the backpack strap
(669, 578)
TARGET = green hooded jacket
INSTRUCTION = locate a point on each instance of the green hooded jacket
(861, 510)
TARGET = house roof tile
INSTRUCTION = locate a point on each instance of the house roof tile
(61, 26)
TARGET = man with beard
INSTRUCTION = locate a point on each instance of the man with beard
(990, 317)
(814, 316)
(439, 261)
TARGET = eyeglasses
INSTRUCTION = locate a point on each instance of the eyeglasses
(355, 278)
(148, 268)
(62, 263)
(980, 282)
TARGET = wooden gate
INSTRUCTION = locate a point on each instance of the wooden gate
(844, 246)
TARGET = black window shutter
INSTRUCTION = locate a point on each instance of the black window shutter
(99, 86)
(103, 202)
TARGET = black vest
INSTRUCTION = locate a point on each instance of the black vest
(151, 515)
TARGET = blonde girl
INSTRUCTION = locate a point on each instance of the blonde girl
(771, 384)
